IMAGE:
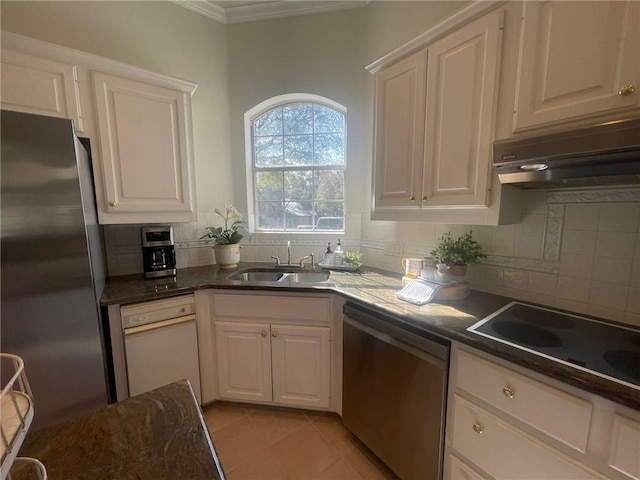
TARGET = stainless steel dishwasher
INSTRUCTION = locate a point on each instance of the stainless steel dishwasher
(394, 392)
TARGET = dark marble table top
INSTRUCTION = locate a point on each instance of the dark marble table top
(376, 289)
(157, 435)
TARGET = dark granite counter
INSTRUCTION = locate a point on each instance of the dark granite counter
(157, 435)
(376, 289)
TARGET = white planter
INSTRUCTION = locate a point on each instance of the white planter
(447, 273)
(227, 256)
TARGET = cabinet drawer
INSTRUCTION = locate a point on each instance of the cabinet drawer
(505, 452)
(625, 442)
(265, 307)
(551, 411)
(458, 470)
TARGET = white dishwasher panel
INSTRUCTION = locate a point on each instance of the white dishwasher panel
(161, 355)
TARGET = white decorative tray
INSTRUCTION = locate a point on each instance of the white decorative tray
(346, 268)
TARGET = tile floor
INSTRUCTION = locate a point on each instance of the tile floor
(270, 443)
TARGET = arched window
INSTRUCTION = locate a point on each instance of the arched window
(296, 148)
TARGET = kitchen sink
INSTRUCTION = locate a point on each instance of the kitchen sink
(261, 275)
(307, 277)
(257, 276)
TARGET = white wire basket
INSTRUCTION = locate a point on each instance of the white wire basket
(16, 414)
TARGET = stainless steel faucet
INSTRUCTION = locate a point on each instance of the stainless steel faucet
(313, 265)
(300, 264)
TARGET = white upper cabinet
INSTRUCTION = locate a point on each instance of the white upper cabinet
(578, 60)
(435, 117)
(462, 78)
(139, 124)
(145, 146)
(40, 86)
(399, 132)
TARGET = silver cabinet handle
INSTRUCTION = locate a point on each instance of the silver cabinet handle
(113, 204)
(274, 334)
(477, 428)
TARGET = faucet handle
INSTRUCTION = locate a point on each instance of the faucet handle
(313, 265)
(276, 259)
(302, 261)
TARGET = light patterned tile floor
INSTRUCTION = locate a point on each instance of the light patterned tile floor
(270, 443)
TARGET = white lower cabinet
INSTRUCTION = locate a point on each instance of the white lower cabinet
(300, 362)
(507, 422)
(276, 349)
(244, 361)
(283, 364)
(504, 451)
(459, 470)
(624, 455)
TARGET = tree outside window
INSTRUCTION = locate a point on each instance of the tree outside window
(298, 163)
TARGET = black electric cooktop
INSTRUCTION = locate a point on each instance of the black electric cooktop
(607, 350)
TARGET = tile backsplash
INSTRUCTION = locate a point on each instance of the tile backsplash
(578, 250)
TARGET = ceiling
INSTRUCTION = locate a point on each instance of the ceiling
(253, 11)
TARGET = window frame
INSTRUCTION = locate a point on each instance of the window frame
(261, 109)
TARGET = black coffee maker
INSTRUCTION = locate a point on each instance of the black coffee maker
(158, 251)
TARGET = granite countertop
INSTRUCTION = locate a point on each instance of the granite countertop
(376, 290)
(157, 435)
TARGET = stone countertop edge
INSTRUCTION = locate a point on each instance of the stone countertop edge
(160, 434)
(375, 289)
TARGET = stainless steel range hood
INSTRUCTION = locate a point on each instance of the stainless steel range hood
(607, 154)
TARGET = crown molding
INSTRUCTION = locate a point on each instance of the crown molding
(203, 7)
(265, 10)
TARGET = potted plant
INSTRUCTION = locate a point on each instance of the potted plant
(353, 259)
(453, 255)
(227, 239)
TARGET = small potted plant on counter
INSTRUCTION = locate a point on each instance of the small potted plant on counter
(453, 255)
(227, 240)
(353, 259)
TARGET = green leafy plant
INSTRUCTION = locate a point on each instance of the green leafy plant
(233, 223)
(463, 250)
(353, 258)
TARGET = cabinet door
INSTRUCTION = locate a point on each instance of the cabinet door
(623, 453)
(244, 361)
(574, 59)
(399, 132)
(40, 86)
(301, 365)
(462, 78)
(145, 143)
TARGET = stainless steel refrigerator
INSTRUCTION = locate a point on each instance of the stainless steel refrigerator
(52, 266)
